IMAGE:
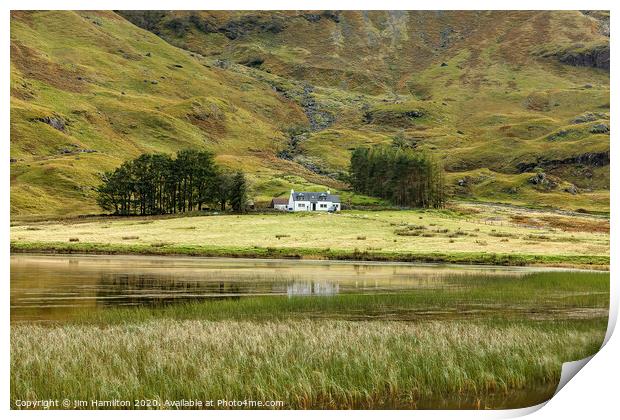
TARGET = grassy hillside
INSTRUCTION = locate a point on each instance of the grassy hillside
(499, 97)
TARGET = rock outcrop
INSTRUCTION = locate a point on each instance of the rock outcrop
(597, 57)
(599, 129)
(590, 159)
(54, 121)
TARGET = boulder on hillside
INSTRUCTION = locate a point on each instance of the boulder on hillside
(543, 181)
(588, 117)
(54, 121)
(571, 189)
(599, 129)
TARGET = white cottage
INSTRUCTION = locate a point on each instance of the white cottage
(313, 201)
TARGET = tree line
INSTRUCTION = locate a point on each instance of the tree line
(401, 175)
(160, 184)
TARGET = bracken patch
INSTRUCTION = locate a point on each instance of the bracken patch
(33, 65)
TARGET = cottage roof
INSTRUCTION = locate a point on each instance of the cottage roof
(315, 197)
(279, 200)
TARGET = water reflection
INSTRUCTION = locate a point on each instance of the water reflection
(318, 288)
(52, 287)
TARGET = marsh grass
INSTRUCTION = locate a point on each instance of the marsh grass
(307, 364)
(463, 344)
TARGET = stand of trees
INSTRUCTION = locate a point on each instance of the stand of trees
(401, 175)
(160, 184)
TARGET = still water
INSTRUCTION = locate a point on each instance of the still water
(47, 287)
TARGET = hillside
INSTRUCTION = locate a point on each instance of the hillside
(515, 103)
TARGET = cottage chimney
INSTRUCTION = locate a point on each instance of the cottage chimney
(328, 192)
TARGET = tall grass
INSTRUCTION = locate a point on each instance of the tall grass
(306, 364)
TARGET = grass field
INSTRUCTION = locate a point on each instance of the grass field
(463, 233)
(484, 342)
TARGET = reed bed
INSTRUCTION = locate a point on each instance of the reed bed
(306, 364)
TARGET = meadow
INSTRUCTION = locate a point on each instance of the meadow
(484, 342)
(462, 233)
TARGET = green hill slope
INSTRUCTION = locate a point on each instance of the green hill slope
(286, 96)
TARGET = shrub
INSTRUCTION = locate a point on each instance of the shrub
(501, 234)
(159, 244)
(406, 232)
(538, 237)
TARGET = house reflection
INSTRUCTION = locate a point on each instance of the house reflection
(307, 288)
